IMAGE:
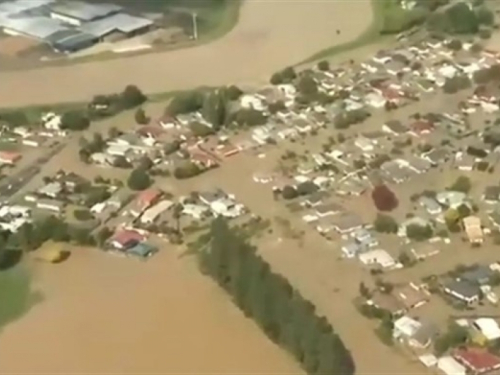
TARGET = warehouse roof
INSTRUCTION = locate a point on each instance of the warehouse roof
(36, 27)
(84, 11)
(15, 7)
(68, 40)
(120, 22)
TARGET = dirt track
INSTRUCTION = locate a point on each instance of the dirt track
(270, 35)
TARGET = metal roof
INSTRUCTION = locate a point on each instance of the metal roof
(84, 11)
(121, 22)
(15, 7)
(70, 40)
(36, 27)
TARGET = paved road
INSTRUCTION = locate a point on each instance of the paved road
(11, 185)
(269, 36)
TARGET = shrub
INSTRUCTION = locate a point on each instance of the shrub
(418, 232)
(140, 117)
(187, 170)
(485, 16)
(462, 19)
(455, 45)
(323, 66)
(307, 86)
(131, 97)
(121, 162)
(233, 92)
(171, 147)
(145, 163)
(200, 130)
(306, 188)
(289, 192)
(462, 184)
(75, 120)
(384, 199)
(186, 102)
(287, 75)
(276, 79)
(276, 107)
(485, 34)
(250, 117)
(456, 84)
(385, 224)
(83, 215)
(139, 180)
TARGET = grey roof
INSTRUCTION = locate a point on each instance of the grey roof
(68, 40)
(479, 275)
(35, 27)
(84, 11)
(396, 126)
(11, 8)
(121, 22)
(491, 193)
(463, 288)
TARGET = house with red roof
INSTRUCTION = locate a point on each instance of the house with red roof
(144, 200)
(126, 238)
(421, 127)
(9, 157)
(478, 361)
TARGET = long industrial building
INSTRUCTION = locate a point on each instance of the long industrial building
(69, 26)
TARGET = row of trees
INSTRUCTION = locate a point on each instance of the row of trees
(395, 19)
(282, 313)
(214, 104)
(110, 105)
(33, 235)
(461, 19)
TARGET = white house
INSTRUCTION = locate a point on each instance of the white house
(378, 257)
(488, 327)
(51, 121)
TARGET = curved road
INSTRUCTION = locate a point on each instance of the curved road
(270, 35)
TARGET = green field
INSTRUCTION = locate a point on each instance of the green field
(16, 295)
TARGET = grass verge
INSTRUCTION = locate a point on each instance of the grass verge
(369, 36)
(16, 294)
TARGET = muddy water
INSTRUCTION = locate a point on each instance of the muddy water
(103, 314)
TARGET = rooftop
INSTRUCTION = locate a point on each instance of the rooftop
(84, 11)
(117, 22)
(478, 360)
(35, 27)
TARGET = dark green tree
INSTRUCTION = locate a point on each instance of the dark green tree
(139, 180)
(132, 97)
(140, 117)
(324, 65)
(74, 120)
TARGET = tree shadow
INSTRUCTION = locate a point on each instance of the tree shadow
(10, 259)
